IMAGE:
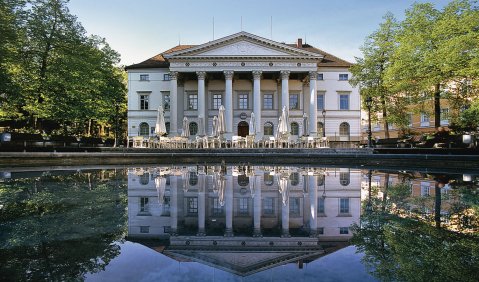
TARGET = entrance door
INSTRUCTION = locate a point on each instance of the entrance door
(243, 129)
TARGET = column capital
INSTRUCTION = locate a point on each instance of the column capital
(313, 75)
(229, 74)
(173, 75)
(257, 74)
(285, 74)
(201, 74)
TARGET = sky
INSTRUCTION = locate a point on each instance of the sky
(140, 29)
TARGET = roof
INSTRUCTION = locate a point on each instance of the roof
(159, 61)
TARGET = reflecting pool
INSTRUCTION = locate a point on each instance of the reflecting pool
(219, 222)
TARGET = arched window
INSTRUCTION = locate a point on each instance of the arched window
(144, 129)
(320, 180)
(268, 179)
(344, 129)
(268, 129)
(294, 178)
(344, 178)
(294, 128)
(145, 178)
(167, 125)
(193, 128)
(193, 178)
(320, 128)
(243, 180)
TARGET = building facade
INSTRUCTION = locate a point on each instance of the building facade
(247, 74)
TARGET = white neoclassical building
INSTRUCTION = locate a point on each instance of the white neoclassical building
(247, 74)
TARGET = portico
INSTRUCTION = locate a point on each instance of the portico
(248, 74)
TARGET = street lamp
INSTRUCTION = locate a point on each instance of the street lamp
(324, 122)
(369, 101)
(369, 206)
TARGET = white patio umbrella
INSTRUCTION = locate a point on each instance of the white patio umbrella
(252, 185)
(185, 179)
(201, 126)
(160, 184)
(215, 127)
(220, 183)
(186, 129)
(252, 125)
(160, 126)
(283, 188)
(283, 122)
(221, 121)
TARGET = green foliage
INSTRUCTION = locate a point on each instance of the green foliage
(61, 75)
(60, 227)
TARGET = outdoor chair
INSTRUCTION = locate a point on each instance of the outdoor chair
(271, 142)
(323, 142)
(250, 141)
(137, 141)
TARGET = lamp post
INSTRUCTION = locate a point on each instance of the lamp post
(324, 122)
(369, 206)
(369, 101)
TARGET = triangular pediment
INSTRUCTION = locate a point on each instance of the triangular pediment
(243, 44)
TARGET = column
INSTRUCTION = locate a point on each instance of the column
(229, 206)
(285, 218)
(313, 203)
(201, 205)
(173, 103)
(174, 206)
(313, 101)
(201, 96)
(257, 103)
(257, 207)
(229, 103)
(285, 89)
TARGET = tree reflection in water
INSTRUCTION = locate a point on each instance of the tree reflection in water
(401, 242)
(60, 227)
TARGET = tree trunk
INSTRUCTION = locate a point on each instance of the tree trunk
(385, 192)
(437, 105)
(385, 116)
(437, 205)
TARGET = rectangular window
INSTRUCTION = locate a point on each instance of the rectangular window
(166, 206)
(243, 206)
(343, 76)
(321, 206)
(343, 230)
(217, 101)
(320, 76)
(144, 102)
(344, 101)
(144, 77)
(294, 204)
(217, 208)
(144, 229)
(425, 189)
(193, 101)
(344, 206)
(409, 118)
(294, 101)
(320, 99)
(268, 206)
(321, 230)
(424, 119)
(144, 207)
(192, 205)
(166, 77)
(268, 101)
(445, 116)
(243, 101)
(166, 100)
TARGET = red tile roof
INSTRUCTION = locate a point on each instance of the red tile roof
(159, 60)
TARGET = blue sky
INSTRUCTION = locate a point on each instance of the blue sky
(140, 29)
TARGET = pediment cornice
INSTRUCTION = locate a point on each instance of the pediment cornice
(265, 49)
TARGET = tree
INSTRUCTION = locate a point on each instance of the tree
(59, 227)
(435, 48)
(369, 72)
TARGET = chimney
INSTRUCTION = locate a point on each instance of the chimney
(300, 43)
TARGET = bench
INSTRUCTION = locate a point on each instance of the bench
(90, 142)
(388, 143)
(22, 139)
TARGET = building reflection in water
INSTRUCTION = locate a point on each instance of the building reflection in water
(218, 214)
